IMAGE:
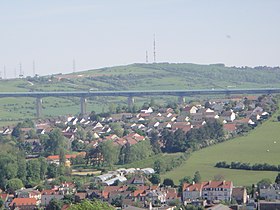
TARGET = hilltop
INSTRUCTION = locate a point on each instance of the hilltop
(157, 76)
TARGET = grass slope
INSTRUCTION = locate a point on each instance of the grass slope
(251, 148)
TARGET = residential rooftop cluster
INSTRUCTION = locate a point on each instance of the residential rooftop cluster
(99, 145)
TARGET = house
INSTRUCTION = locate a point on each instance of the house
(134, 136)
(184, 126)
(218, 107)
(197, 117)
(156, 197)
(228, 116)
(107, 190)
(119, 142)
(165, 125)
(67, 188)
(270, 192)
(96, 125)
(172, 195)
(247, 121)
(190, 109)
(239, 106)
(137, 180)
(69, 136)
(28, 193)
(192, 191)
(182, 118)
(24, 203)
(211, 115)
(217, 190)
(211, 190)
(230, 127)
(240, 195)
(55, 159)
(48, 195)
(147, 111)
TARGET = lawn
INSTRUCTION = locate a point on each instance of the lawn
(252, 148)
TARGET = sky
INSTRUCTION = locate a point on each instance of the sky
(101, 33)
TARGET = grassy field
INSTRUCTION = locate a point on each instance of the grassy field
(251, 148)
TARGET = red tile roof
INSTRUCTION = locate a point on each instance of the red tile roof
(243, 121)
(181, 125)
(218, 184)
(120, 142)
(144, 115)
(172, 194)
(56, 157)
(193, 187)
(131, 141)
(230, 127)
(24, 202)
(204, 185)
(49, 192)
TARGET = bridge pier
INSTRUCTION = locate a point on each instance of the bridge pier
(181, 100)
(39, 107)
(130, 102)
(83, 101)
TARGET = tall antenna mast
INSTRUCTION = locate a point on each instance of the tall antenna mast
(147, 59)
(5, 76)
(154, 48)
(20, 69)
(74, 66)
(33, 67)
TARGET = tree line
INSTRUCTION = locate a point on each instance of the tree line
(108, 154)
(178, 141)
(248, 166)
(16, 172)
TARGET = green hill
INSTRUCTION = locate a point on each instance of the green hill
(158, 76)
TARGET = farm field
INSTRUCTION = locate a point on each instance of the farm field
(256, 147)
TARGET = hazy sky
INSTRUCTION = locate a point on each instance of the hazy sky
(100, 33)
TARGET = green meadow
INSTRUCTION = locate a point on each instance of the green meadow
(261, 145)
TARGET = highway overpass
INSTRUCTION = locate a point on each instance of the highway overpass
(130, 94)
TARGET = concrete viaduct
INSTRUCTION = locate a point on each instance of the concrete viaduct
(83, 95)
